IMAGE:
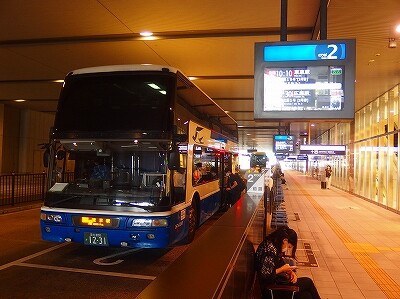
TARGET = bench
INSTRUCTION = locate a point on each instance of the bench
(256, 289)
(274, 207)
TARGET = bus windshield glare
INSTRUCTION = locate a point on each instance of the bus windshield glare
(115, 102)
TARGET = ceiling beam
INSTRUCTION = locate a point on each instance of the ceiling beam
(156, 36)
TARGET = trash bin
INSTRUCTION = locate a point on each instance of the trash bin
(323, 185)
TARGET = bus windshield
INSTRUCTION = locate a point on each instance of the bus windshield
(122, 101)
(111, 175)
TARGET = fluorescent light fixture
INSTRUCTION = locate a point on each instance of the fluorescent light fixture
(19, 100)
(152, 85)
(163, 92)
(192, 78)
(146, 33)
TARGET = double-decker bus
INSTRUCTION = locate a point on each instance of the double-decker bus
(135, 158)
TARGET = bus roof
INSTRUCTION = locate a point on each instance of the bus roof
(122, 68)
(195, 97)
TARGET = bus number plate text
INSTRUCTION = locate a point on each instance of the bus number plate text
(97, 239)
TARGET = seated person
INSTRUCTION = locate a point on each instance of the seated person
(197, 173)
(273, 269)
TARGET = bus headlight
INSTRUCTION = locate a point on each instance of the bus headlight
(148, 222)
(51, 217)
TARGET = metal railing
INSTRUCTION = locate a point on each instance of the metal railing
(18, 188)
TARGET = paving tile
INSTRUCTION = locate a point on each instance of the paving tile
(356, 243)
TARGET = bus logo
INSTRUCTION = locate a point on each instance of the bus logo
(196, 136)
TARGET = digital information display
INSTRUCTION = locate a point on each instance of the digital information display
(304, 80)
(304, 88)
(284, 143)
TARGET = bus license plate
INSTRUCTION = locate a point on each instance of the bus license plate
(97, 239)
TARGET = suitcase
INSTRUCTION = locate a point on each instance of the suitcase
(323, 185)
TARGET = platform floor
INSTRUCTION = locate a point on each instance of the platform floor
(348, 246)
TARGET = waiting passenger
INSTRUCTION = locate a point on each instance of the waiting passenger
(328, 176)
(235, 186)
(272, 269)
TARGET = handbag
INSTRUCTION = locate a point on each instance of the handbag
(283, 278)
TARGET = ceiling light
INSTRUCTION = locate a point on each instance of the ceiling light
(146, 33)
(152, 85)
(398, 28)
(392, 43)
(19, 100)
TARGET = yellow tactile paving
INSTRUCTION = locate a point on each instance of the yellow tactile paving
(360, 251)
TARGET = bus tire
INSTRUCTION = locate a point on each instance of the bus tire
(193, 222)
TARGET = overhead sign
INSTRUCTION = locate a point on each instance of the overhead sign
(302, 157)
(297, 52)
(304, 80)
(310, 149)
(283, 143)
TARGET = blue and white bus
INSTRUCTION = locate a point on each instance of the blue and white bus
(259, 159)
(123, 151)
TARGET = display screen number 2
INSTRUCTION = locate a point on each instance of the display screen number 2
(334, 49)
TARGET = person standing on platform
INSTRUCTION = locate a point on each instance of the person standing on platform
(272, 269)
(235, 186)
(328, 176)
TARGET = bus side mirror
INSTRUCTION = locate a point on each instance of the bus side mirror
(173, 160)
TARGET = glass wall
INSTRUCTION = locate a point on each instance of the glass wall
(376, 151)
(370, 169)
(339, 134)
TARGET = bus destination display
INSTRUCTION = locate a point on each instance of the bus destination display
(304, 88)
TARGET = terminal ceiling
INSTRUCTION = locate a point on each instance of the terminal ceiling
(41, 41)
